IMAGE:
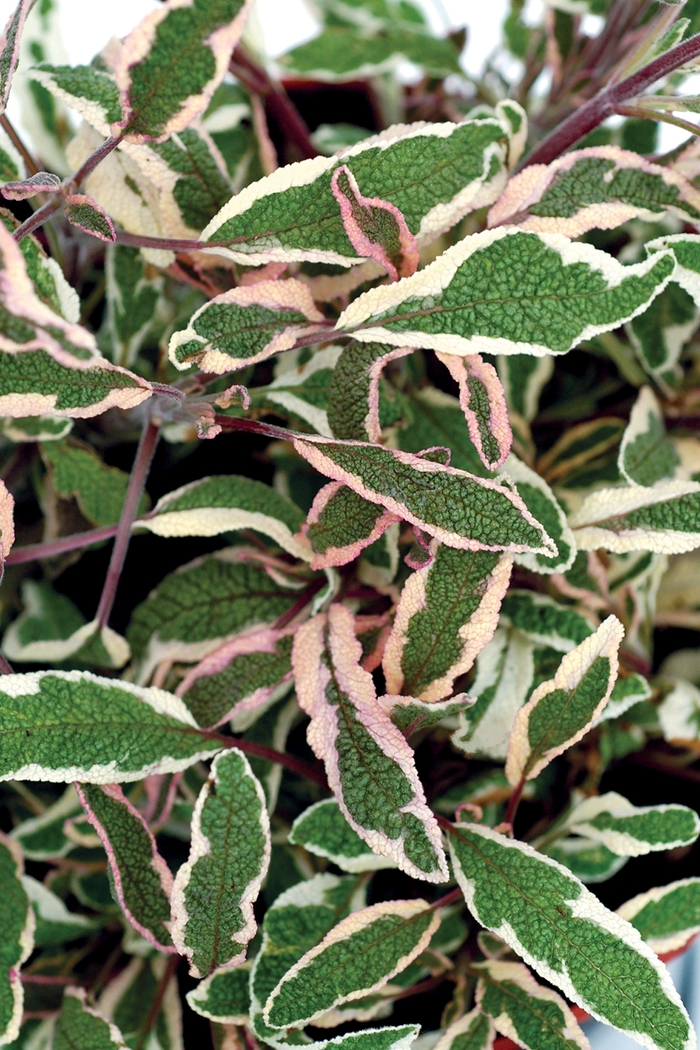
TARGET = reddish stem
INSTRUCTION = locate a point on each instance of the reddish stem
(514, 802)
(38, 218)
(5, 668)
(280, 107)
(89, 165)
(33, 551)
(16, 141)
(295, 765)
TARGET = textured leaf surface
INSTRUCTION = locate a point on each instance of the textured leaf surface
(323, 830)
(457, 508)
(77, 470)
(631, 831)
(81, 1027)
(531, 1015)
(590, 861)
(71, 725)
(661, 332)
(356, 957)
(545, 508)
(342, 523)
(355, 390)
(9, 48)
(339, 54)
(686, 249)
(142, 880)
(85, 213)
(197, 36)
(562, 710)
(132, 299)
(223, 996)
(566, 935)
(473, 1031)
(550, 296)
(667, 916)
(369, 765)
(483, 402)
(599, 187)
(245, 325)
(214, 891)
(646, 454)
(18, 924)
(663, 518)
(433, 173)
(447, 613)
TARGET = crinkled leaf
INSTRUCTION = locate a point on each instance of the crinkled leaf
(447, 613)
(197, 36)
(323, 830)
(631, 831)
(533, 1016)
(562, 710)
(599, 187)
(667, 917)
(568, 937)
(214, 891)
(663, 518)
(42, 182)
(17, 942)
(9, 48)
(369, 765)
(71, 725)
(55, 924)
(590, 861)
(551, 295)
(357, 957)
(410, 715)
(142, 880)
(85, 213)
(473, 1031)
(483, 402)
(355, 390)
(400, 1038)
(81, 1027)
(77, 470)
(646, 453)
(223, 996)
(339, 54)
(545, 621)
(433, 173)
(245, 325)
(341, 524)
(545, 508)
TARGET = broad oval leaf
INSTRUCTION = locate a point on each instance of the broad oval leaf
(552, 294)
(323, 830)
(369, 765)
(223, 996)
(357, 957)
(18, 924)
(72, 725)
(663, 518)
(215, 889)
(667, 917)
(632, 831)
(568, 937)
(81, 1027)
(562, 710)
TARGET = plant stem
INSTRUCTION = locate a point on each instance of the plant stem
(38, 218)
(606, 102)
(5, 668)
(89, 165)
(254, 427)
(34, 551)
(16, 141)
(283, 110)
(295, 765)
(450, 898)
(173, 244)
(514, 802)
(152, 1016)
(139, 473)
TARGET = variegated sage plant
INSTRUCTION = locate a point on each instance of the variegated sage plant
(421, 390)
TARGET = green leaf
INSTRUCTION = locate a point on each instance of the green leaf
(357, 957)
(245, 325)
(566, 935)
(533, 1016)
(132, 302)
(228, 503)
(300, 391)
(87, 89)
(9, 48)
(686, 249)
(127, 1001)
(77, 470)
(590, 861)
(664, 518)
(646, 453)
(355, 390)
(562, 710)
(524, 377)
(457, 508)
(369, 765)
(411, 715)
(199, 37)
(223, 996)
(339, 54)
(545, 621)
(36, 428)
(482, 399)
(599, 187)
(447, 613)
(323, 830)
(215, 889)
(436, 416)
(341, 524)
(473, 1031)
(54, 923)
(435, 174)
(17, 942)
(667, 917)
(545, 508)
(71, 725)
(660, 334)
(632, 831)
(201, 605)
(85, 213)
(142, 880)
(551, 296)
(43, 837)
(81, 1027)
(400, 1038)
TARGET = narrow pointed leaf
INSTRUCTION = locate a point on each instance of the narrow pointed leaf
(61, 726)
(544, 621)
(400, 1038)
(568, 937)
(293, 215)
(545, 508)
(599, 187)
(563, 709)
(355, 390)
(473, 1031)
(483, 402)
(199, 37)
(9, 49)
(664, 518)
(142, 880)
(18, 924)
(42, 182)
(533, 1016)
(90, 91)
(686, 249)
(579, 446)
(631, 831)
(552, 295)
(646, 453)
(323, 830)
(36, 428)
(667, 917)
(359, 956)
(409, 715)
(660, 334)
(626, 693)
(447, 613)
(223, 996)
(369, 765)
(128, 999)
(132, 302)
(54, 923)
(341, 524)
(457, 508)
(301, 392)
(245, 325)
(228, 503)
(214, 891)
(81, 1027)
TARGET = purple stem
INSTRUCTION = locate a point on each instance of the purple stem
(137, 240)
(5, 668)
(34, 551)
(605, 103)
(89, 165)
(139, 473)
(38, 218)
